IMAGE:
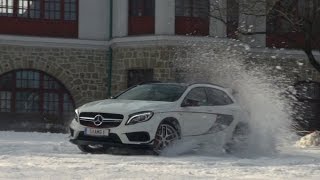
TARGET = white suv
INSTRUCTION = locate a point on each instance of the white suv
(154, 115)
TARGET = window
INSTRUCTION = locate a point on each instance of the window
(137, 76)
(154, 92)
(70, 10)
(217, 97)
(192, 8)
(27, 91)
(141, 17)
(232, 18)
(51, 103)
(197, 97)
(192, 17)
(6, 7)
(27, 102)
(5, 101)
(52, 9)
(142, 8)
(48, 18)
(284, 33)
(27, 79)
(29, 8)
(40, 9)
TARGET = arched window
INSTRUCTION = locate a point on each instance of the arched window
(31, 91)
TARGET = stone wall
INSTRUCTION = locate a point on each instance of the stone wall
(82, 71)
(187, 62)
(158, 58)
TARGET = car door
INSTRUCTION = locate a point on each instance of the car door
(222, 105)
(194, 113)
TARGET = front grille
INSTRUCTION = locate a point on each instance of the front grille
(103, 125)
(109, 120)
(112, 138)
(105, 115)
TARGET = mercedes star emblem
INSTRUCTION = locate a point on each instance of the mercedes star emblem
(98, 120)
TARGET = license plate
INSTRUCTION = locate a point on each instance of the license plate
(96, 132)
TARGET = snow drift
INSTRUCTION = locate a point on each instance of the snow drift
(310, 140)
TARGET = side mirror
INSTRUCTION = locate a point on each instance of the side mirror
(190, 102)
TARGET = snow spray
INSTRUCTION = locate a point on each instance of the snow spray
(268, 108)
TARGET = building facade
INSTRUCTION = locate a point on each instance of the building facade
(56, 55)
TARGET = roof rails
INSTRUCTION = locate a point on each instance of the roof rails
(190, 84)
(206, 83)
(149, 82)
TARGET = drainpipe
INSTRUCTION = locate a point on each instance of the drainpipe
(110, 49)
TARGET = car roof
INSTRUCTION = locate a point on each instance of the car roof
(183, 84)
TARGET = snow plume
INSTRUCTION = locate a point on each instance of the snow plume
(267, 106)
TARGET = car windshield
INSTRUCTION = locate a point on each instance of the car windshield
(154, 92)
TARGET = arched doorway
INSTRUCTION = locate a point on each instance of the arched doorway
(32, 100)
(308, 108)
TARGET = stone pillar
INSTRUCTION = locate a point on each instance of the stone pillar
(252, 22)
(218, 18)
(165, 17)
(120, 18)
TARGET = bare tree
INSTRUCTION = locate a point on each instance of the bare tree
(301, 16)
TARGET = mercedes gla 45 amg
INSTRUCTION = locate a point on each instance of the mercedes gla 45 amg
(155, 115)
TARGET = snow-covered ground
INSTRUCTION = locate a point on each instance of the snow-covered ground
(51, 156)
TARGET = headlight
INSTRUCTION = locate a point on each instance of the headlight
(76, 117)
(139, 117)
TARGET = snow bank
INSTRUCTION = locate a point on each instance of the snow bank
(310, 140)
(51, 156)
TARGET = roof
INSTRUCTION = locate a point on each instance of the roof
(182, 84)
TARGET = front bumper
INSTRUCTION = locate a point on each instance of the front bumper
(137, 135)
(112, 141)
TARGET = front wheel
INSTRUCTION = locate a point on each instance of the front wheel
(94, 149)
(165, 136)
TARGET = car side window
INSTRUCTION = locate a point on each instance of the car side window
(196, 97)
(217, 97)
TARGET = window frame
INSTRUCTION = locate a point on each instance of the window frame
(42, 8)
(186, 96)
(39, 91)
(38, 25)
(141, 24)
(192, 19)
(208, 97)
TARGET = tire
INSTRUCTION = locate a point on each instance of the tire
(166, 134)
(93, 149)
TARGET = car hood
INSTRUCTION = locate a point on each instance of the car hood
(125, 106)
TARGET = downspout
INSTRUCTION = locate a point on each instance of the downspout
(110, 49)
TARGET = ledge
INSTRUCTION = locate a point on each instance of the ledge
(52, 42)
(282, 53)
(143, 41)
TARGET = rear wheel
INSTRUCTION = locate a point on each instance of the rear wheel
(94, 149)
(165, 136)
